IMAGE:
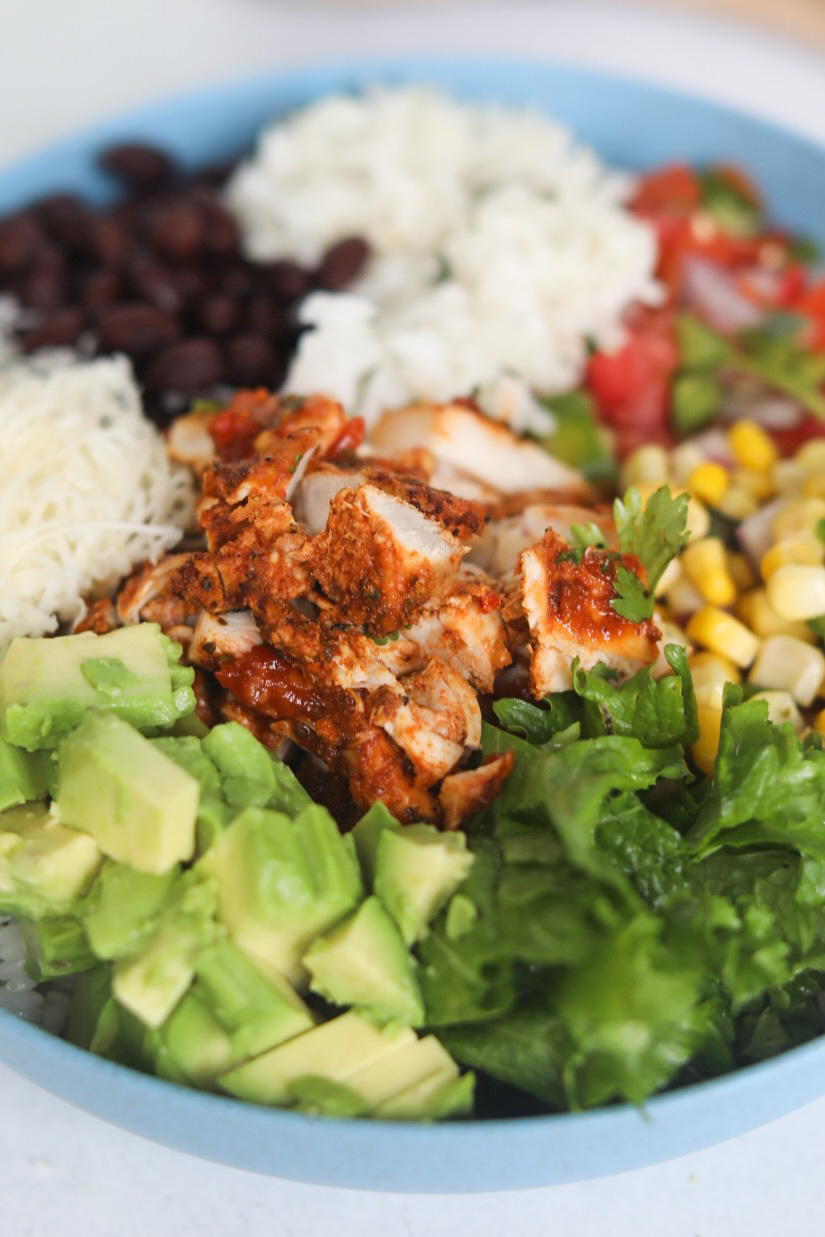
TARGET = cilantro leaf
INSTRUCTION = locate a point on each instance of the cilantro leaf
(654, 533)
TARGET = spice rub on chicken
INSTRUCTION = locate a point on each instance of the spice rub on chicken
(566, 598)
(357, 597)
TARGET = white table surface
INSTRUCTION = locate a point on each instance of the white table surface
(65, 62)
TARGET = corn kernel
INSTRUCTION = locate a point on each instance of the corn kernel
(810, 457)
(701, 660)
(698, 519)
(709, 482)
(797, 516)
(781, 709)
(740, 570)
(786, 664)
(788, 477)
(814, 487)
(720, 632)
(808, 551)
(646, 465)
(705, 565)
(668, 577)
(683, 598)
(709, 679)
(751, 447)
(760, 485)
(756, 612)
(706, 746)
(818, 723)
(797, 591)
(683, 460)
(738, 504)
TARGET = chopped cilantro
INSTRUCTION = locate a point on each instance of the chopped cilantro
(654, 533)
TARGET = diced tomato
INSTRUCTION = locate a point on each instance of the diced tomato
(631, 386)
(235, 427)
(811, 304)
(672, 190)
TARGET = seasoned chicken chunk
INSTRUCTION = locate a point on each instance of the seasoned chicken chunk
(463, 439)
(502, 540)
(567, 605)
(472, 790)
(380, 560)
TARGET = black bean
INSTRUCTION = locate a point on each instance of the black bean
(139, 166)
(136, 329)
(151, 281)
(109, 241)
(21, 237)
(189, 365)
(178, 231)
(100, 289)
(341, 263)
(262, 317)
(250, 360)
(217, 313)
(55, 331)
(68, 221)
(45, 286)
(287, 280)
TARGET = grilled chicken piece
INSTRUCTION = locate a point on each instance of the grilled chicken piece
(472, 790)
(100, 617)
(380, 560)
(466, 442)
(218, 637)
(568, 610)
(498, 548)
(149, 595)
(463, 629)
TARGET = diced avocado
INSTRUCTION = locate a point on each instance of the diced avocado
(257, 1011)
(22, 776)
(417, 869)
(56, 947)
(94, 1016)
(46, 685)
(380, 1081)
(44, 866)
(250, 776)
(196, 1042)
(214, 812)
(444, 1094)
(364, 962)
(334, 1050)
(151, 984)
(123, 906)
(137, 804)
(366, 835)
(282, 882)
(322, 1097)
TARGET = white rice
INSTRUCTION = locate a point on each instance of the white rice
(86, 489)
(500, 248)
(18, 992)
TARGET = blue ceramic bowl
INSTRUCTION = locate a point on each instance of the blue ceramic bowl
(631, 125)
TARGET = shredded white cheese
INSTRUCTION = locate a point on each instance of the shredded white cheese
(86, 488)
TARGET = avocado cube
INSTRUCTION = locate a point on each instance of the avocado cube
(417, 869)
(250, 775)
(214, 812)
(56, 947)
(256, 1010)
(151, 984)
(123, 907)
(137, 804)
(364, 962)
(381, 1080)
(44, 866)
(94, 1016)
(195, 1042)
(46, 686)
(334, 1050)
(443, 1094)
(281, 883)
(22, 776)
(366, 835)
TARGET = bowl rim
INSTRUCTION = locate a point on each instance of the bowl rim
(20, 1040)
